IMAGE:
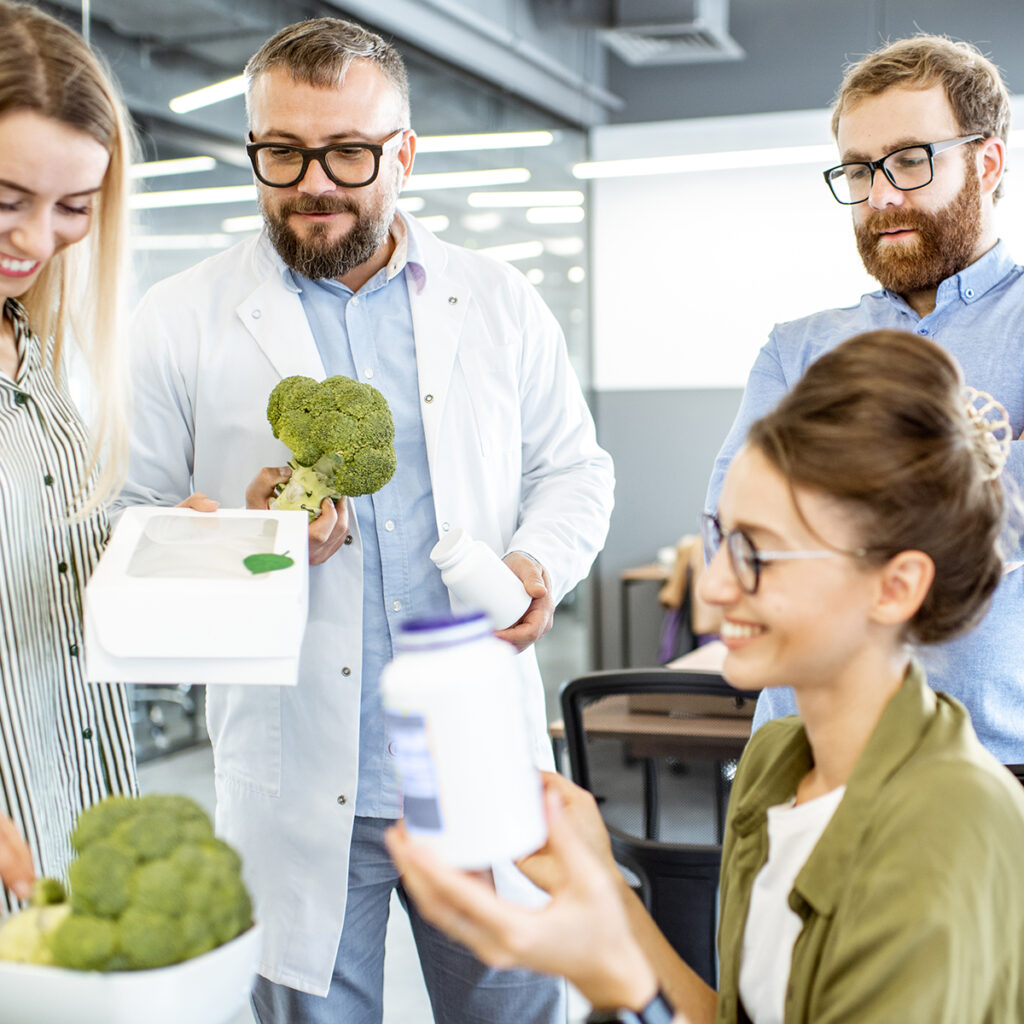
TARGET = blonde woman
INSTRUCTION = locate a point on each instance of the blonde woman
(64, 152)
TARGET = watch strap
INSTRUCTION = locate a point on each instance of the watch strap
(658, 1011)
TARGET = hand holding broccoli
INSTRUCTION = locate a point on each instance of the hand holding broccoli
(341, 436)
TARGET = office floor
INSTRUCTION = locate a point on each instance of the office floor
(173, 762)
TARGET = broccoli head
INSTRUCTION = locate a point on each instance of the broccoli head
(341, 435)
(150, 886)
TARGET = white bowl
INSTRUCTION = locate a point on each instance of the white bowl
(209, 989)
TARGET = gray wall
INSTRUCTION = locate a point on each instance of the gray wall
(664, 444)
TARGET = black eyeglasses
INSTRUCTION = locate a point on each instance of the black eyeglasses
(745, 559)
(906, 169)
(349, 164)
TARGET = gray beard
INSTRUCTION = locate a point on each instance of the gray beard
(317, 257)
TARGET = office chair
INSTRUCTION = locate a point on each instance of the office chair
(1018, 770)
(655, 747)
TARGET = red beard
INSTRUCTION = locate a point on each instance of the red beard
(946, 242)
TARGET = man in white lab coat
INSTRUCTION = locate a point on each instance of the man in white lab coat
(492, 435)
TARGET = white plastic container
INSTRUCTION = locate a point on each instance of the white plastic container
(458, 732)
(479, 580)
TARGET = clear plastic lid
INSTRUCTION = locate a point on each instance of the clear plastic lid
(442, 631)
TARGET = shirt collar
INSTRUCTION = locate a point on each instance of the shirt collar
(900, 729)
(27, 344)
(974, 281)
(405, 256)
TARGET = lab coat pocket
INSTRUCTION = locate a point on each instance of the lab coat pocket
(493, 384)
(244, 723)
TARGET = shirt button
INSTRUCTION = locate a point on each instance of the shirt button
(19, 398)
(445, 527)
(389, 525)
(256, 314)
(342, 799)
(73, 650)
(354, 301)
(48, 480)
(923, 330)
(87, 734)
(428, 399)
(346, 671)
(368, 373)
(969, 293)
(396, 606)
(62, 567)
(348, 539)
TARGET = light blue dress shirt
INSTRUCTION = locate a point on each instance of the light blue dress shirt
(368, 336)
(979, 319)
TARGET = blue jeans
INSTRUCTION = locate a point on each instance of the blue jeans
(461, 989)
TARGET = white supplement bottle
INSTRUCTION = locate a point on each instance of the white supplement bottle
(479, 580)
(457, 729)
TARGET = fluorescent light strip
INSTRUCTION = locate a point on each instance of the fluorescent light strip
(499, 200)
(411, 204)
(208, 94)
(554, 214)
(194, 197)
(469, 179)
(486, 140)
(253, 222)
(691, 162)
(515, 251)
(437, 223)
(166, 242)
(184, 165)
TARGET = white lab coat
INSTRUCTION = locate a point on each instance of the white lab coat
(513, 459)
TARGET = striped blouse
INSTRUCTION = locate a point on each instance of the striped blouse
(64, 743)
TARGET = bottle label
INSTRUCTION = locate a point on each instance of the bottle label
(421, 796)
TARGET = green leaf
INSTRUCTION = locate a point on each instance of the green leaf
(267, 562)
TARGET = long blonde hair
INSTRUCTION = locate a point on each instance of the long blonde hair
(48, 68)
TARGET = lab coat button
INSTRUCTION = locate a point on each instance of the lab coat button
(256, 314)
(346, 671)
(342, 799)
(452, 300)
(348, 539)
(428, 399)
(445, 527)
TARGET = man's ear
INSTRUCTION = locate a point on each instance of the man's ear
(902, 587)
(991, 162)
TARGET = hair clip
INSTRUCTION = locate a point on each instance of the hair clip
(992, 432)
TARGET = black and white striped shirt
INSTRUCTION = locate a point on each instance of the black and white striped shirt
(64, 743)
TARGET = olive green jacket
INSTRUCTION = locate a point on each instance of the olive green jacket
(913, 898)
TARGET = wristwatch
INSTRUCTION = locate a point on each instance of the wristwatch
(658, 1011)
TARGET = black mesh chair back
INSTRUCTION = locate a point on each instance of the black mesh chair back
(657, 748)
(1018, 770)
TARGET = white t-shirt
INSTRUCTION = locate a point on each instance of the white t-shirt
(772, 927)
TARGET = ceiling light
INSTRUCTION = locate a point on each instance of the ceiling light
(725, 161)
(194, 197)
(515, 199)
(486, 140)
(469, 179)
(208, 94)
(184, 165)
(162, 242)
(252, 222)
(411, 204)
(438, 223)
(570, 246)
(535, 275)
(480, 223)
(515, 251)
(554, 214)
(576, 275)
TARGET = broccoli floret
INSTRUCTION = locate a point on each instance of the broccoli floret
(25, 936)
(46, 892)
(84, 943)
(341, 435)
(152, 886)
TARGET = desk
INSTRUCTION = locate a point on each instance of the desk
(653, 572)
(653, 735)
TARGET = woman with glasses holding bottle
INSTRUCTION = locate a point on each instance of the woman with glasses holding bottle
(871, 864)
(64, 154)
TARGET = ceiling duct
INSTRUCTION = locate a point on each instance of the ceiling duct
(649, 33)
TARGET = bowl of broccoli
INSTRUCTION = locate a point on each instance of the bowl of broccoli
(157, 925)
(341, 435)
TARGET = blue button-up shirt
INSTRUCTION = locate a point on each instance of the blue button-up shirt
(979, 319)
(368, 336)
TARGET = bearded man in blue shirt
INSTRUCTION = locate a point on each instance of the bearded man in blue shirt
(921, 127)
